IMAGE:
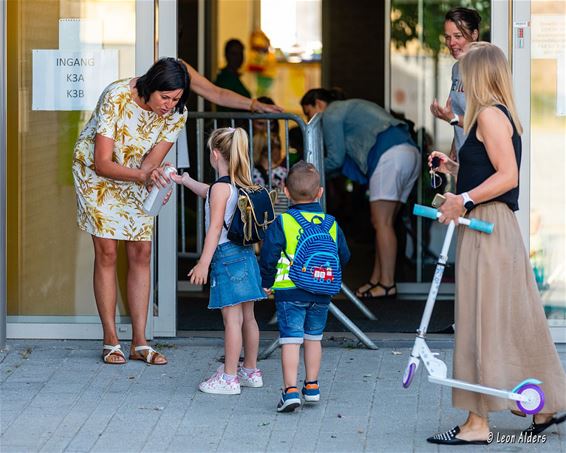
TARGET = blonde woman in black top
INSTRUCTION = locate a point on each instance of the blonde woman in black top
(502, 335)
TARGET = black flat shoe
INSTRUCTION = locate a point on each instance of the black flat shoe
(536, 428)
(449, 438)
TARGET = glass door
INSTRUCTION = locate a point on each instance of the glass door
(547, 100)
(533, 35)
(60, 55)
(420, 69)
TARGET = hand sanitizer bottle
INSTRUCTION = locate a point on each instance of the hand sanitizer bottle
(154, 201)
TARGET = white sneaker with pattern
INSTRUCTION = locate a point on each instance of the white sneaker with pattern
(217, 384)
(253, 379)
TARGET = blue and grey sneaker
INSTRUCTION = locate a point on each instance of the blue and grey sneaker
(311, 392)
(290, 400)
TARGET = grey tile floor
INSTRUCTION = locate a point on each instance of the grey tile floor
(58, 396)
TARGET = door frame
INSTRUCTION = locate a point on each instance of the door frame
(163, 322)
(3, 182)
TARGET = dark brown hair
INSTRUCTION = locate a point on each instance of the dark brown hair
(466, 20)
(166, 74)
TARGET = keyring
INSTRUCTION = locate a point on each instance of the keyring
(435, 179)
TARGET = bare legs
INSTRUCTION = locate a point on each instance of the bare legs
(240, 326)
(138, 283)
(250, 334)
(139, 254)
(383, 214)
(104, 280)
(290, 361)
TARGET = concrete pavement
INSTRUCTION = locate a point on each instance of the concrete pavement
(58, 396)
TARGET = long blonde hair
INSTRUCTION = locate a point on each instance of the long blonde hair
(487, 81)
(232, 144)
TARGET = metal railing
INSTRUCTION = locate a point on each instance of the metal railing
(207, 122)
(313, 152)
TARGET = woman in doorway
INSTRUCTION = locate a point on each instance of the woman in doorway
(117, 155)
(461, 27)
(370, 146)
(502, 334)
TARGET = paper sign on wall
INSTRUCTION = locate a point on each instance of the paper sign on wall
(73, 76)
(64, 80)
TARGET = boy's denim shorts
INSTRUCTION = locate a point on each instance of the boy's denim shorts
(300, 321)
(234, 276)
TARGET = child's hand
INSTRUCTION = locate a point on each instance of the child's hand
(268, 291)
(181, 179)
(198, 274)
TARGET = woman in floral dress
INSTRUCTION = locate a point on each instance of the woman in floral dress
(118, 153)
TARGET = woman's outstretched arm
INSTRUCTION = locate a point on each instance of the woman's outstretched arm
(226, 98)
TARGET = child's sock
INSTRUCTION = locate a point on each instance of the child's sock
(228, 377)
(248, 370)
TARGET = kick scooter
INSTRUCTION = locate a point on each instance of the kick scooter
(527, 394)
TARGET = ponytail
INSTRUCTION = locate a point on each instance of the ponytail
(239, 163)
(233, 146)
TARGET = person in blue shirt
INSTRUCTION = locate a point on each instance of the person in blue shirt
(368, 145)
(461, 27)
(301, 314)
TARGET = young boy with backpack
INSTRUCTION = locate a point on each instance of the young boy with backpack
(301, 259)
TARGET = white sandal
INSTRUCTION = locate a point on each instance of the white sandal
(114, 351)
(148, 358)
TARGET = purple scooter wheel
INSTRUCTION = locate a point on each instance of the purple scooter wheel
(536, 399)
(409, 374)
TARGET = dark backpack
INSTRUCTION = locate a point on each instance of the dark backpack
(316, 264)
(253, 214)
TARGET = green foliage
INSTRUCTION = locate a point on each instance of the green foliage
(405, 26)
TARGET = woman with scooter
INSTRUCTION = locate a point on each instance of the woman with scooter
(502, 334)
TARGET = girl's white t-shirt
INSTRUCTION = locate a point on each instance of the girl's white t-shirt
(228, 214)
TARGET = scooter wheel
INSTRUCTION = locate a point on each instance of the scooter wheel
(409, 375)
(535, 397)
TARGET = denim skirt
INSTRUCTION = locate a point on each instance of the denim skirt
(234, 276)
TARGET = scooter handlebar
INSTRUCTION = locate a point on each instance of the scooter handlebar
(425, 211)
(474, 224)
(481, 225)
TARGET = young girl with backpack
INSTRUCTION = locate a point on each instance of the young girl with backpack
(234, 273)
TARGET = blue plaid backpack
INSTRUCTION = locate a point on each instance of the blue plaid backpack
(316, 264)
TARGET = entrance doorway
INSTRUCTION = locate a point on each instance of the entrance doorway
(420, 241)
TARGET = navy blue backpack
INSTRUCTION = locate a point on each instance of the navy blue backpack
(253, 214)
(316, 264)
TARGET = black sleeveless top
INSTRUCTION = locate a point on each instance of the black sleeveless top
(475, 166)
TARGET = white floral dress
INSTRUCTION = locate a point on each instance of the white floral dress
(109, 208)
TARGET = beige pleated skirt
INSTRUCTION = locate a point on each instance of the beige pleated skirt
(502, 335)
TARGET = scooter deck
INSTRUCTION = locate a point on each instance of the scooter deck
(477, 388)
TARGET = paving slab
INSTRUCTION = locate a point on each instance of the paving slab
(57, 396)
